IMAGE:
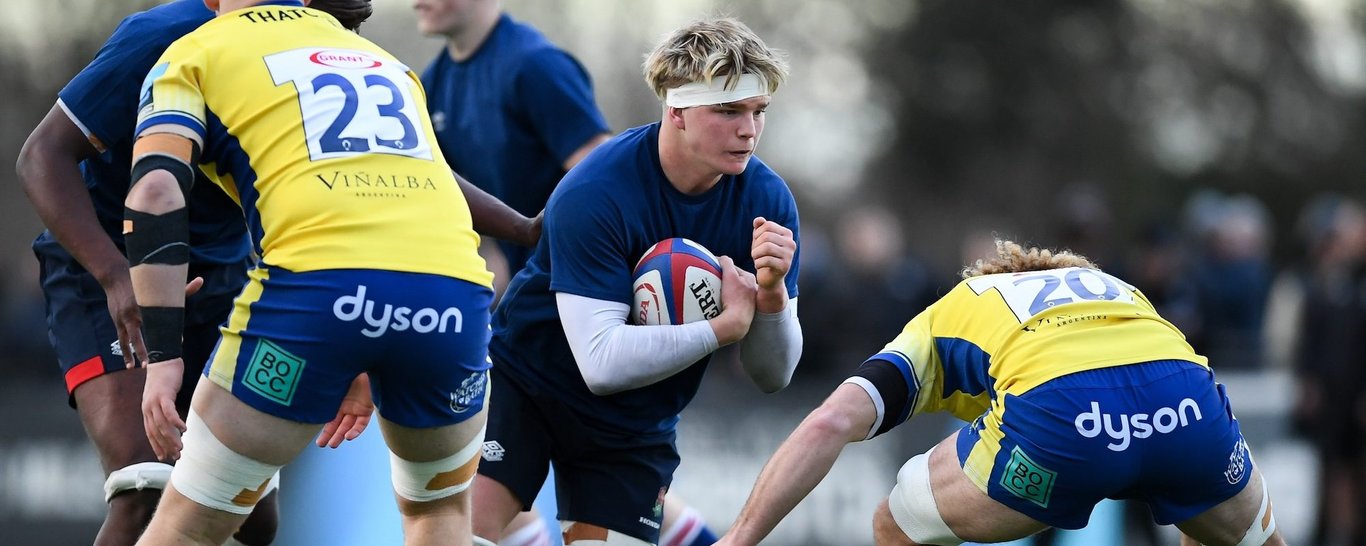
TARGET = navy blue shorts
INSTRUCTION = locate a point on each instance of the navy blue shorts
(296, 341)
(1160, 432)
(612, 480)
(83, 335)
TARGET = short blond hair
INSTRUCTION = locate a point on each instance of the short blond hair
(1013, 258)
(707, 48)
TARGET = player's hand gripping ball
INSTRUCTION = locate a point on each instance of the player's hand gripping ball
(677, 281)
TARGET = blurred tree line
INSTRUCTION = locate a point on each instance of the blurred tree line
(1003, 107)
(967, 113)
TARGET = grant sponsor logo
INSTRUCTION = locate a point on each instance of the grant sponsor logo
(1124, 427)
(344, 59)
(398, 319)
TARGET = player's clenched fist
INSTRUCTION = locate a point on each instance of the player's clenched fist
(772, 249)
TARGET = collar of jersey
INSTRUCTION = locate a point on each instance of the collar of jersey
(298, 3)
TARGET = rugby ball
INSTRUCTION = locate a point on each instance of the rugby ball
(677, 281)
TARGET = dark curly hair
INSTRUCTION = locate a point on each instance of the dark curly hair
(350, 13)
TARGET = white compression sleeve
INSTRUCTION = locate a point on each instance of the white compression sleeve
(772, 347)
(614, 356)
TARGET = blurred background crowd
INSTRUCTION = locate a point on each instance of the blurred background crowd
(1208, 152)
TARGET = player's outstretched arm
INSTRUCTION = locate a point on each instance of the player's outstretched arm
(49, 172)
(801, 462)
(494, 218)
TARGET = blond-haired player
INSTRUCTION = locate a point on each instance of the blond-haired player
(1076, 391)
(576, 384)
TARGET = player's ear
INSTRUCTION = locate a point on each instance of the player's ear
(675, 116)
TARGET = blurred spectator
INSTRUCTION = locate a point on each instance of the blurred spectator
(1231, 271)
(23, 324)
(1158, 266)
(874, 286)
(1086, 226)
(1331, 368)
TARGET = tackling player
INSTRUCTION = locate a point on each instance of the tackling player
(74, 168)
(367, 268)
(1076, 390)
(574, 382)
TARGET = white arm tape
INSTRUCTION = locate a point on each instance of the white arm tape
(614, 356)
(772, 347)
(137, 477)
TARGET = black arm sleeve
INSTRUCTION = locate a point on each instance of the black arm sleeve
(893, 394)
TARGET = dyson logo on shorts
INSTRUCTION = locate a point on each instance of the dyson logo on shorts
(1164, 420)
(422, 321)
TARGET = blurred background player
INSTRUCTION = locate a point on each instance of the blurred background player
(514, 112)
(74, 167)
(1330, 409)
(345, 196)
(574, 383)
(1077, 391)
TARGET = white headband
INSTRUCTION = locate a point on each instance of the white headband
(701, 94)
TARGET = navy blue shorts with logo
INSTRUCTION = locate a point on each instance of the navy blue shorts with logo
(1160, 432)
(83, 335)
(610, 479)
(296, 341)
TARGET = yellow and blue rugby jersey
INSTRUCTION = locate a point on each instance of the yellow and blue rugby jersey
(1001, 334)
(322, 137)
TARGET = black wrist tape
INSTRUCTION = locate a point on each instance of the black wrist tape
(157, 238)
(161, 332)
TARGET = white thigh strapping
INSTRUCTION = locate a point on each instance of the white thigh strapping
(1263, 525)
(429, 481)
(215, 476)
(913, 507)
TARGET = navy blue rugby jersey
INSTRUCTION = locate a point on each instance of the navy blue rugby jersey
(103, 101)
(601, 218)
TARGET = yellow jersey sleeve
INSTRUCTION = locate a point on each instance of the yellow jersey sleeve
(171, 94)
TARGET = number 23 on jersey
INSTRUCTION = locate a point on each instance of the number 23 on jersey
(352, 102)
